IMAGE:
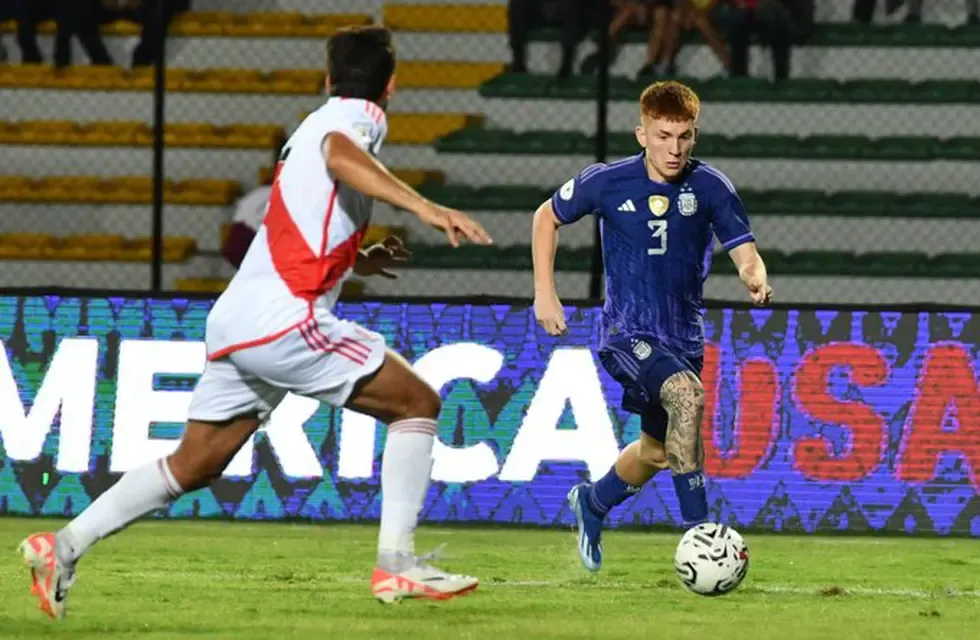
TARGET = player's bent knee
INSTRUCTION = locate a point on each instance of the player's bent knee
(207, 449)
(421, 401)
(653, 453)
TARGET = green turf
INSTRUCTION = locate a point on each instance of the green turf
(236, 580)
(795, 90)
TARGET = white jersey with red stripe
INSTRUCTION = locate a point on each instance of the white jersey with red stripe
(309, 238)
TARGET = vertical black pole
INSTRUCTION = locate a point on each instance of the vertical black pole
(601, 143)
(155, 29)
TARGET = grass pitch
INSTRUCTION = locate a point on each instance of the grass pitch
(237, 580)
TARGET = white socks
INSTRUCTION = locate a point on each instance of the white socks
(137, 493)
(405, 471)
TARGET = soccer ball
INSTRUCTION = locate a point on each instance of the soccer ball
(711, 559)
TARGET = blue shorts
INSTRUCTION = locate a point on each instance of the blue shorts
(642, 365)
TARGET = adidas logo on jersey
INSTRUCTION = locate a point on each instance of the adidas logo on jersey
(627, 206)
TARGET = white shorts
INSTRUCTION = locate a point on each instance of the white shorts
(322, 359)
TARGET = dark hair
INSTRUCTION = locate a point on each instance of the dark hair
(360, 62)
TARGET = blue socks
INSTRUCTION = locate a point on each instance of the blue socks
(692, 497)
(608, 492)
(611, 490)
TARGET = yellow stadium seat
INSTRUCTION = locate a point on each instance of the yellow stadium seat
(198, 135)
(14, 252)
(200, 285)
(96, 241)
(352, 289)
(418, 177)
(377, 233)
(411, 75)
(26, 239)
(413, 177)
(122, 190)
(229, 24)
(91, 247)
(447, 75)
(426, 128)
(454, 18)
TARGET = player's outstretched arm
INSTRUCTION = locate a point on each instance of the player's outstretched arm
(352, 165)
(544, 242)
(752, 272)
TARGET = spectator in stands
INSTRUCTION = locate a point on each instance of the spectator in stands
(656, 15)
(74, 18)
(573, 17)
(864, 11)
(689, 14)
(779, 24)
(143, 13)
(667, 21)
(249, 214)
(5, 14)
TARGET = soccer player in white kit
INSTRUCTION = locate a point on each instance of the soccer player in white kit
(273, 331)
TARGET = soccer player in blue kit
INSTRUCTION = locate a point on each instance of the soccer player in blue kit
(659, 212)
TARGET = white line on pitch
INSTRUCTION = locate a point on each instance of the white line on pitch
(831, 591)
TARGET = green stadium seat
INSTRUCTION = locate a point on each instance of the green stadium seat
(804, 90)
(876, 90)
(947, 91)
(903, 148)
(515, 258)
(833, 147)
(762, 146)
(819, 263)
(891, 264)
(858, 35)
(960, 265)
(795, 90)
(844, 34)
(901, 264)
(860, 203)
(778, 202)
(936, 205)
(785, 201)
(963, 149)
(502, 198)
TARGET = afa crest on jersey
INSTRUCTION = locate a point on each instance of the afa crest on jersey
(658, 205)
(641, 349)
(687, 203)
(567, 190)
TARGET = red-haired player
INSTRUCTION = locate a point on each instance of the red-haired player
(660, 211)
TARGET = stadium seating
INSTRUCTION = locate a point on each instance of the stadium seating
(828, 153)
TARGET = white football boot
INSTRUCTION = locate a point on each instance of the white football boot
(50, 577)
(421, 581)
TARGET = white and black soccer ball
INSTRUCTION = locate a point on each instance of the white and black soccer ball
(711, 559)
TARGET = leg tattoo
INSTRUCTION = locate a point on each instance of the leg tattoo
(682, 397)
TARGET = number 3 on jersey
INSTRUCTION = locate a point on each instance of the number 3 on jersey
(659, 229)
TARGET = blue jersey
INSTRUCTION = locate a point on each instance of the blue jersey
(657, 241)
